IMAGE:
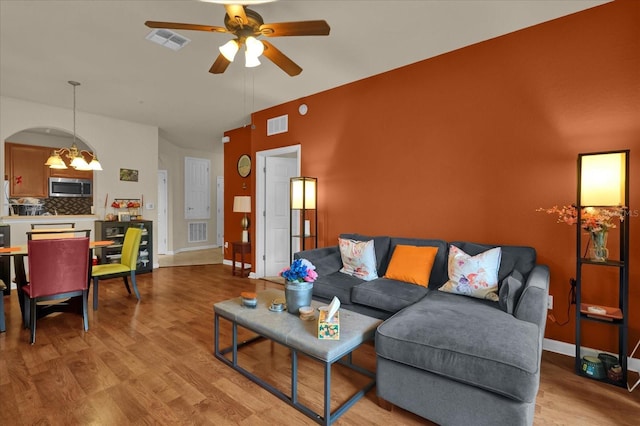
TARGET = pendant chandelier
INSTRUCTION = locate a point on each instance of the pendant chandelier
(75, 155)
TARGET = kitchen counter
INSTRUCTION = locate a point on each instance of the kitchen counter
(48, 219)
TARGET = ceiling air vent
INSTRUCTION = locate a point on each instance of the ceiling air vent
(277, 125)
(167, 38)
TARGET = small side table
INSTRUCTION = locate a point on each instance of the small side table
(241, 249)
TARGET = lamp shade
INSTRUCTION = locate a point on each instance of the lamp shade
(602, 179)
(55, 161)
(254, 46)
(303, 192)
(250, 61)
(242, 204)
(229, 50)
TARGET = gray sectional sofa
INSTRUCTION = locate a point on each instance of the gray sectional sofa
(452, 359)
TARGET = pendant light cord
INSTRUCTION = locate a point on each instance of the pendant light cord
(74, 84)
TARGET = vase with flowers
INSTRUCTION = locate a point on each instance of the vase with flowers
(596, 221)
(298, 287)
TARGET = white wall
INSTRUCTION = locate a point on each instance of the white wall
(118, 144)
(171, 158)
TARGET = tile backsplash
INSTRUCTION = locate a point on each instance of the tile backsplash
(68, 205)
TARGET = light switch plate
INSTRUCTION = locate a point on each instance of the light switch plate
(149, 206)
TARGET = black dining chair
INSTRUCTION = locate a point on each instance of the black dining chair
(3, 326)
(45, 234)
(58, 269)
(53, 225)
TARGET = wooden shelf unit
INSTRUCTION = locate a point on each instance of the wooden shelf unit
(115, 231)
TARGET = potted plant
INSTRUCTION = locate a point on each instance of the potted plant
(298, 287)
(596, 221)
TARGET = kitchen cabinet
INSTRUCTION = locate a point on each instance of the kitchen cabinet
(27, 174)
(115, 231)
(25, 169)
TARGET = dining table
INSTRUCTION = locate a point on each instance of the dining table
(19, 253)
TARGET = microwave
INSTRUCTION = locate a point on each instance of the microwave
(67, 187)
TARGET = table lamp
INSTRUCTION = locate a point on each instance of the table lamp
(242, 204)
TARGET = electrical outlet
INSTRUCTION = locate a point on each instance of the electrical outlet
(226, 244)
(550, 302)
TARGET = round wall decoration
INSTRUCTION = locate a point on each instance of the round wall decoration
(244, 165)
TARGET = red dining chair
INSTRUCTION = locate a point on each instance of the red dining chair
(58, 269)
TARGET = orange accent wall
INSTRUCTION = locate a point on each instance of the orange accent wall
(467, 145)
(239, 143)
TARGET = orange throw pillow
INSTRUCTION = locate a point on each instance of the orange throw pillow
(412, 264)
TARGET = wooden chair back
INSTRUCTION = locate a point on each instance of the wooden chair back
(58, 233)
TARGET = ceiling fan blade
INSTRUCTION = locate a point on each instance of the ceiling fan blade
(299, 28)
(280, 59)
(236, 12)
(220, 65)
(179, 26)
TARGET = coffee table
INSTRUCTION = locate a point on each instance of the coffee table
(300, 337)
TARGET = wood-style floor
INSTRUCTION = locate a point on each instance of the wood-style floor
(152, 363)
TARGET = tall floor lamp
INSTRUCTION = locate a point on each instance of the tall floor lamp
(303, 213)
(242, 204)
(603, 190)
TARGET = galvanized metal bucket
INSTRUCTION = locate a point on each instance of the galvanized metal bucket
(297, 295)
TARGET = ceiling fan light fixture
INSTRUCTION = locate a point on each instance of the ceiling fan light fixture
(254, 46)
(250, 61)
(229, 50)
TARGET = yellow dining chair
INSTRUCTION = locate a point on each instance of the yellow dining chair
(126, 268)
(58, 269)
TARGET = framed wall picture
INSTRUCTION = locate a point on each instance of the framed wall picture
(129, 175)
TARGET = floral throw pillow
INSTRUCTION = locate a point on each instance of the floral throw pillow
(475, 276)
(358, 259)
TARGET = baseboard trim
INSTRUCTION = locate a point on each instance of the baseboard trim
(569, 349)
(183, 249)
(238, 265)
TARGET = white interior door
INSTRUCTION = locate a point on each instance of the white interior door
(197, 204)
(292, 152)
(163, 220)
(278, 171)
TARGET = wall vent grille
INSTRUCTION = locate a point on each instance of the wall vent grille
(197, 232)
(277, 125)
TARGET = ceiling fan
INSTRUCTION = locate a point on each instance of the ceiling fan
(247, 25)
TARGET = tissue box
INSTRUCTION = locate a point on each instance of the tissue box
(328, 330)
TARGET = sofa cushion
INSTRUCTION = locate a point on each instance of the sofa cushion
(411, 264)
(335, 284)
(475, 276)
(358, 258)
(387, 295)
(439, 270)
(381, 246)
(465, 339)
(328, 264)
(513, 257)
(510, 291)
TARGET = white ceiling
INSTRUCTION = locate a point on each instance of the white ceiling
(102, 44)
